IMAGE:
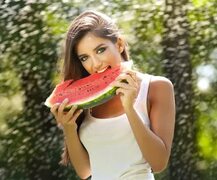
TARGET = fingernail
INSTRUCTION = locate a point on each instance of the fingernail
(60, 126)
(66, 100)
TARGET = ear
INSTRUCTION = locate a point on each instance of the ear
(120, 44)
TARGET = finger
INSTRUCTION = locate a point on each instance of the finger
(128, 78)
(71, 112)
(123, 85)
(125, 93)
(120, 91)
(54, 109)
(132, 74)
(77, 113)
(62, 106)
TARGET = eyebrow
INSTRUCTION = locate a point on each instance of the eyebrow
(98, 46)
(93, 49)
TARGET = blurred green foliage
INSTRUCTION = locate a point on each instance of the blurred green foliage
(32, 35)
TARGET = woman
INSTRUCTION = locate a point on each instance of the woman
(130, 136)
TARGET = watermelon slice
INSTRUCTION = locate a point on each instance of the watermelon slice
(87, 92)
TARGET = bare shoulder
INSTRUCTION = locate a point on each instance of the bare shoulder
(160, 81)
(160, 86)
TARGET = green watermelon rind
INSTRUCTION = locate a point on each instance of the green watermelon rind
(96, 101)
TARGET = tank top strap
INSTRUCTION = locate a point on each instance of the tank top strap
(141, 101)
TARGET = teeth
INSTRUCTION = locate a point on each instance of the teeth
(102, 70)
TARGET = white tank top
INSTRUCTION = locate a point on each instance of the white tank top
(113, 151)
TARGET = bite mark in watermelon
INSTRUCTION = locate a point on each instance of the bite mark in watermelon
(87, 92)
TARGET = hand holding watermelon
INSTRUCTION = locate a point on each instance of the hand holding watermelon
(128, 88)
(66, 120)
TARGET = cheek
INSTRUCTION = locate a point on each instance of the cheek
(113, 53)
(86, 66)
(116, 55)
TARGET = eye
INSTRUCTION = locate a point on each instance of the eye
(83, 58)
(100, 50)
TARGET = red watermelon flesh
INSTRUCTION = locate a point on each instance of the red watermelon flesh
(87, 92)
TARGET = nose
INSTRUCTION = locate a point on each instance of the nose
(96, 64)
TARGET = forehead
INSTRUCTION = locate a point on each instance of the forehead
(90, 41)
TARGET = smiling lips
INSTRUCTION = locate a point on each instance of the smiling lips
(104, 69)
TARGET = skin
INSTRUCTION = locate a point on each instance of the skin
(96, 53)
(155, 143)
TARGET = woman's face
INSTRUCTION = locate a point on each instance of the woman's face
(98, 54)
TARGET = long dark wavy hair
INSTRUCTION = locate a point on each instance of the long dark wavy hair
(100, 25)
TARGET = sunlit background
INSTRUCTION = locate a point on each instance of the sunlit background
(176, 39)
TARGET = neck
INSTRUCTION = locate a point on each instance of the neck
(107, 109)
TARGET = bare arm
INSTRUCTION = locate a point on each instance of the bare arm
(77, 153)
(156, 143)
(162, 116)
